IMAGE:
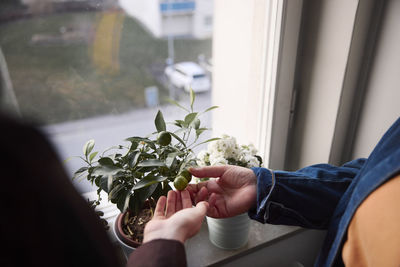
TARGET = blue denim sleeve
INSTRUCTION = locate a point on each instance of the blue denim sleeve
(306, 197)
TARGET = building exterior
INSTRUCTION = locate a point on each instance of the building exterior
(39, 6)
(192, 18)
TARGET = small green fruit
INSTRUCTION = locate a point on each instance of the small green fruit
(164, 138)
(180, 183)
(187, 175)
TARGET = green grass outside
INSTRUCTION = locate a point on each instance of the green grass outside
(56, 83)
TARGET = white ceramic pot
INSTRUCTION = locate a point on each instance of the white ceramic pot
(229, 233)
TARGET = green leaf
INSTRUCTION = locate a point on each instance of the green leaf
(192, 98)
(103, 183)
(106, 161)
(133, 158)
(159, 122)
(79, 172)
(259, 159)
(179, 139)
(148, 180)
(211, 108)
(106, 170)
(190, 118)
(166, 188)
(113, 195)
(146, 192)
(109, 182)
(180, 123)
(88, 147)
(170, 159)
(177, 104)
(79, 177)
(195, 123)
(137, 139)
(120, 197)
(148, 155)
(133, 146)
(200, 131)
(158, 191)
(92, 156)
(126, 201)
(151, 163)
(140, 139)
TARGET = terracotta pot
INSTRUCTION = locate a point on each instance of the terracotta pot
(127, 244)
(121, 235)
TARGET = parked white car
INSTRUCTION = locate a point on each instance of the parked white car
(188, 75)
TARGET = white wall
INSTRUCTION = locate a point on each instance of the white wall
(381, 106)
(254, 50)
(327, 39)
(232, 57)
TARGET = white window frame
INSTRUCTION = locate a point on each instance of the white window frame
(266, 102)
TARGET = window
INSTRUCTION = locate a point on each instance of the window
(255, 48)
(95, 68)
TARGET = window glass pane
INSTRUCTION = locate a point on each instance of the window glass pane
(83, 69)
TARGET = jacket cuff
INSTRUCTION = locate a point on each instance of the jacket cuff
(159, 252)
(265, 186)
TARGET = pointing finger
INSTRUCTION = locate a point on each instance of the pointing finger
(209, 171)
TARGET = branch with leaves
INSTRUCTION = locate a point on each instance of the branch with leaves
(143, 169)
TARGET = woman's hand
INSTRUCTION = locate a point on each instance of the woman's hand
(233, 193)
(175, 218)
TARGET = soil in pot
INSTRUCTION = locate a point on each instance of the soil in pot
(133, 225)
(129, 226)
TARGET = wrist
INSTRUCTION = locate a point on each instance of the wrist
(164, 233)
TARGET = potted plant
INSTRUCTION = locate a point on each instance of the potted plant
(229, 233)
(136, 174)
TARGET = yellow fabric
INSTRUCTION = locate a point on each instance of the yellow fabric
(373, 237)
(105, 53)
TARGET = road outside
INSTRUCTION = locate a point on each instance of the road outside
(110, 130)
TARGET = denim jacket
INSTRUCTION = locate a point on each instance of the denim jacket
(323, 196)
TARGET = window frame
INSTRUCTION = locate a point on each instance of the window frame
(269, 75)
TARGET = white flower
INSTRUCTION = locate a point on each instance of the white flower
(216, 160)
(249, 148)
(253, 162)
(203, 158)
(226, 148)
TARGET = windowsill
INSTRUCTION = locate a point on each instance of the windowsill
(268, 244)
(201, 252)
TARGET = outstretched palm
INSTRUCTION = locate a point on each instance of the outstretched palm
(175, 218)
